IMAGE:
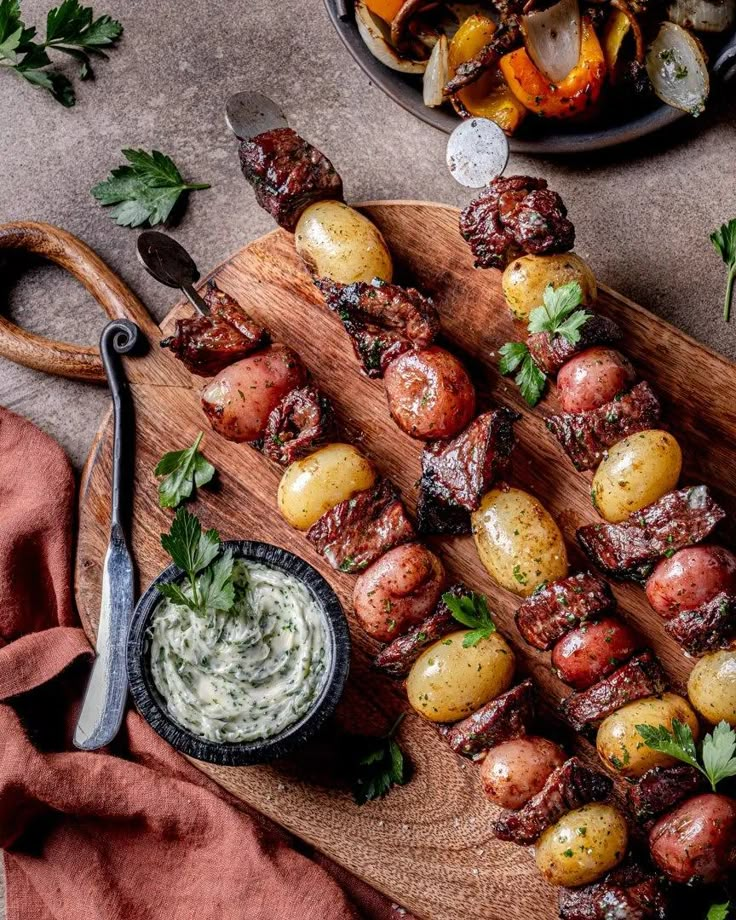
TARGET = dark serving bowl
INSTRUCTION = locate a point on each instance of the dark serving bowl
(153, 709)
(543, 138)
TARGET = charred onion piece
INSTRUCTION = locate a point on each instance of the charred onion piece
(401, 20)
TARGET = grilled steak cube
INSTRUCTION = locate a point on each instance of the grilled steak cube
(708, 627)
(359, 530)
(627, 893)
(207, 344)
(287, 174)
(586, 436)
(661, 788)
(555, 609)
(399, 655)
(550, 352)
(508, 716)
(302, 421)
(570, 786)
(631, 549)
(641, 676)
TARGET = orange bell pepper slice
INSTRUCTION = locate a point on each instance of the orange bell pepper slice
(573, 96)
(384, 9)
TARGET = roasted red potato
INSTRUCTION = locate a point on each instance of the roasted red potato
(691, 577)
(593, 378)
(696, 843)
(593, 651)
(513, 772)
(239, 400)
(430, 394)
(398, 591)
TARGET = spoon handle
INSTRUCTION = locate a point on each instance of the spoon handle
(104, 700)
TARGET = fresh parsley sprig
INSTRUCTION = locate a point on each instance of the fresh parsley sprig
(145, 191)
(718, 751)
(182, 471)
(724, 242)
(378, 763)
(70, 28)
(559, 315)
(208, 570)
(472, 611)
(719, 911)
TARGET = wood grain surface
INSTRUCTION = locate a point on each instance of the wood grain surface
(428, 844)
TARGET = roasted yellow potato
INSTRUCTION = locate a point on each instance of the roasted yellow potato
(449, 681)
(311, 486)
(518, 541)
(584, 844)
(637, 471)
(622, 747)
(337, 242)
(525, 279)
(712, 686)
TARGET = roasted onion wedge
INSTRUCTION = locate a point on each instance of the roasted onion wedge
(436, 74)
(703, 15)
(678, 70)
(377, 36)
(552, 38)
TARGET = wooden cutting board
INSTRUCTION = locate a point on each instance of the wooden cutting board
(427, 845)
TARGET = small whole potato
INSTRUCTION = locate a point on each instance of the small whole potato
(525, 279)
(593, 378)
(584, 844)
(240, 398)
(637, 471)
(430, 394)
(513, 772)
(336, 241)
(696, 843)
(712, 686)
(313, 485)
(398, 591)
(621, 746)
(594, 650)
(518, 541)
(449, 681)
(689, 578)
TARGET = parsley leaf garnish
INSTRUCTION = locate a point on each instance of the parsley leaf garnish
(146, 191)
(724, 242)
(531, 381)
(559, 314)
(197, 554)
(472, 611)
(718, 911)
(378, 763)
(718, 751)
(183, 470)
(73, 30)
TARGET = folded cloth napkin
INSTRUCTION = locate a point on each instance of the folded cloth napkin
(134, 832)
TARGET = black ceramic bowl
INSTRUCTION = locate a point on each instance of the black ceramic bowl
(541, 136)
(153, 709)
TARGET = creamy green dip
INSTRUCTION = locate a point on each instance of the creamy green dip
(248, 673)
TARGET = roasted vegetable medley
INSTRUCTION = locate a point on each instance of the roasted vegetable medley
(566, 60)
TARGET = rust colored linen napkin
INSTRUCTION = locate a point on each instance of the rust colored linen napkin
(134, 832)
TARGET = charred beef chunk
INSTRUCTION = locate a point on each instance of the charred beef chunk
(706, 628)
(507, 717)
(513, 216)
(302, 421)
(630, 550)
(359, 530)
(287, 174)
(552, 611)
(207, 344)
(550, 352)
(628, 893)
(383, 320)
(505, 39)
(570, 786)
(641, 676)
(399, 655)
(457, 473)
(586, 436)
(661, 788)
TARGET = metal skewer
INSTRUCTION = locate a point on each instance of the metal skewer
(248, 114)
(169, 262)
(477, 152)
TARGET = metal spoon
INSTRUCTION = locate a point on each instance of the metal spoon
(104, 700)
(248, 114)
(170, 263)
(477, 152)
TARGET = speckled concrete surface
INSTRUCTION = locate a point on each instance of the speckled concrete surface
(643, 213)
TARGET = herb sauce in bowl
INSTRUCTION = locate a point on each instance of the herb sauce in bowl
(248, 673)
